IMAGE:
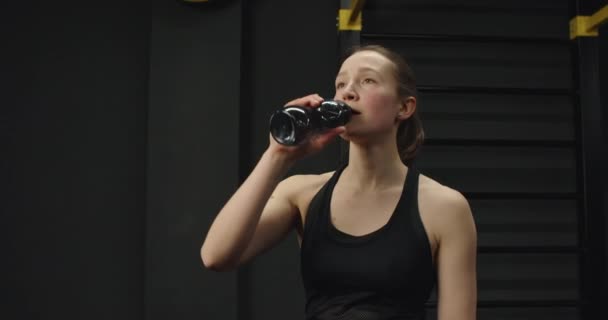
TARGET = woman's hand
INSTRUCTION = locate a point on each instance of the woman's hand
(312, 145)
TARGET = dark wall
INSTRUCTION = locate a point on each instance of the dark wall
(125, 128)
(216, 74)
(192, 155)
(73, 214)
(294, 52)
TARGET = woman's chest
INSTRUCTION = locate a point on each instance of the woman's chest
(359, 214)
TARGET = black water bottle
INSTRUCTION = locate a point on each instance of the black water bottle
(294, 124)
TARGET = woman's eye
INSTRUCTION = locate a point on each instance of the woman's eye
(368, 80)
(339, 85)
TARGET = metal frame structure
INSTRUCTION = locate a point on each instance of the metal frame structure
(592, 160)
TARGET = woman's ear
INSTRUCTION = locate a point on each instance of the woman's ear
(407, 108)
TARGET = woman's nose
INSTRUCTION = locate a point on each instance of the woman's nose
(349, 94)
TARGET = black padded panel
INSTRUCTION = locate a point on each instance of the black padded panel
(497, 117)
(526, 222)
(516, 18)
(530, 313)
(496, 65)
(526, 277)
(500, 169)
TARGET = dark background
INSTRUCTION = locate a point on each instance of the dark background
(130, 123)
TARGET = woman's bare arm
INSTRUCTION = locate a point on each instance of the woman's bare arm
(234, 227)
(456, 257)
(251, 221)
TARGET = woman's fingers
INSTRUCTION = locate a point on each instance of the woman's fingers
(320, 141)
(314, 143)
(311, 100)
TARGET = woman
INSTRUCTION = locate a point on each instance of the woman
(375, 235)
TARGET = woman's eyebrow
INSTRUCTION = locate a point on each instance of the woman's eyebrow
(360, 70)
(367, 69)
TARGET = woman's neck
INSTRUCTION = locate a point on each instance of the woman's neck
(374, 166)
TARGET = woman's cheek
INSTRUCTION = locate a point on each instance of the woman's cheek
(382, 104)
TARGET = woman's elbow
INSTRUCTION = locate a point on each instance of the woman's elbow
(214, 263)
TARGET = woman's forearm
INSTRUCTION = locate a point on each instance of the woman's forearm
(235, 224)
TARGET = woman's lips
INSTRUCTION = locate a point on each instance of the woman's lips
(355, 112)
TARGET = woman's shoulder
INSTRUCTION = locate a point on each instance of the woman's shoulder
(300, 189)
(301, 183)
(441, 202)
(306, 181)
(445, 211)
(436, 191)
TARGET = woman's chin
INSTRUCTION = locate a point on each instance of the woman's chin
(348, 135)
(352, 136)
